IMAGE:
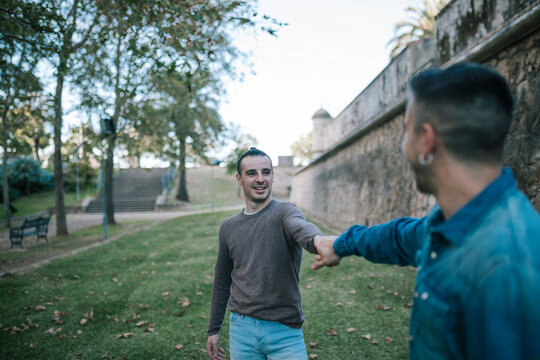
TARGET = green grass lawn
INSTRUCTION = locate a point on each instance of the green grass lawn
(143, 295)
(37, 202)
(206, 184)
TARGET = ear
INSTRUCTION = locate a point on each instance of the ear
(427, 139)
(239, 179)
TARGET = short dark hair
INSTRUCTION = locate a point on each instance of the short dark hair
(469, 105)
(251, 152)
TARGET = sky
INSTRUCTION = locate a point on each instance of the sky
(326, 55)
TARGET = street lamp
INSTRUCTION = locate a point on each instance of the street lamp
(106, 129)
(215, 162)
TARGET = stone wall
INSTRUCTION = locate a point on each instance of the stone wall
(361, 177)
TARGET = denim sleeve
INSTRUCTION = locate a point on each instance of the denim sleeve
(395, 242)
(502, 318)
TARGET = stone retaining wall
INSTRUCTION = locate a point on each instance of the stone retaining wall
(362, 178)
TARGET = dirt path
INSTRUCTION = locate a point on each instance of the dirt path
(18, 261)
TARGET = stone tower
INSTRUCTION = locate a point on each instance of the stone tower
(319, 141)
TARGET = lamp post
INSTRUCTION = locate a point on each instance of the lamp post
(77, 173)
(106, 129)
(215, 162)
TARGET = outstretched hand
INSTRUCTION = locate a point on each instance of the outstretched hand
(325, 249)
(215, 352)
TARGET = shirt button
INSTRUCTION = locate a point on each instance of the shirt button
(433, 255)
(424, 295)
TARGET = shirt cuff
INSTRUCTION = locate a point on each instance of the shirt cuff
(340, 246)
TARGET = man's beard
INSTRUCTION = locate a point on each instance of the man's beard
(422, 178)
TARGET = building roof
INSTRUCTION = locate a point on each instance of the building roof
(321, 114)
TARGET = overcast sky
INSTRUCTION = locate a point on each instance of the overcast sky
(328, 53)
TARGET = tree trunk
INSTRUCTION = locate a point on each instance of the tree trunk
(59, 207)
(5, 186)
(35, 149)
(109, 168)
(182, 194)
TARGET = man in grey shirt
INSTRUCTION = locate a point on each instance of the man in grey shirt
(258, 265)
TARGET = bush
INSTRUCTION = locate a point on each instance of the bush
(87, 175)
(25, 176)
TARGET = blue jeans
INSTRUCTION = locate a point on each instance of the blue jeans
(251, 338)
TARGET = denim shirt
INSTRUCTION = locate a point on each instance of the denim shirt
(477, 292)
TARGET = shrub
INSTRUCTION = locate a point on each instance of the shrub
(25, 176)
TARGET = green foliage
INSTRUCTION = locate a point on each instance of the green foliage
(87, 175)
(242, 142)
(301, 148)
(420, 25)
(25, 176)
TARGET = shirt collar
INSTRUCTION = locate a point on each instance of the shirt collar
(467, 218)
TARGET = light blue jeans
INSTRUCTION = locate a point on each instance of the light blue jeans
(251, 338)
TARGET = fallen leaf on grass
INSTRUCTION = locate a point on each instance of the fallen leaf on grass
(52, 331)
(388, 340)
(314, 357)
(166, 293)
(184, 301)
(339, 304)
(14, 330)
(124, 335)
(309, 286)
(40, 308)
(140, 323)
(313, 344)
(352, 292)
(58, 317)
(351, 330)
(382, 307)
(150, 328)
(143, 306)
(408, 305)
(366, 336)
(374, 342)
(331, 332)
(83, 321)
(179, 347)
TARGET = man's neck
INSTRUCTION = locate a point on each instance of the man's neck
(253, 207)
(459, 183)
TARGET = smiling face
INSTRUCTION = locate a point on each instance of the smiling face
(256, 180)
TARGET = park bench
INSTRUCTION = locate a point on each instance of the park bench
(33, 225)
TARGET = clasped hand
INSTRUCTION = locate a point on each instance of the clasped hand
(325, 252)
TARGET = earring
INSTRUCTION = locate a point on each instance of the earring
(425, 160)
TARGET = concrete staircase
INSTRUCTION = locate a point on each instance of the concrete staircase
(133, 190)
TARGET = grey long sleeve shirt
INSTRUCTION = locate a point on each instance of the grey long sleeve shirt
(258, 265)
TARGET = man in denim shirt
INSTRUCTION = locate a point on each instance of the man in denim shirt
(477, 292)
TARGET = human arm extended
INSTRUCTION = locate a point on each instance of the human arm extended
(298, 228)
(395, 242)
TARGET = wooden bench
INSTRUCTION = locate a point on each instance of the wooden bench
(33, 225)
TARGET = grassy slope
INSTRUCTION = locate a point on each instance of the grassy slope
(144, 276)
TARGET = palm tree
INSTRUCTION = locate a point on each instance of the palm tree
(419, 25)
